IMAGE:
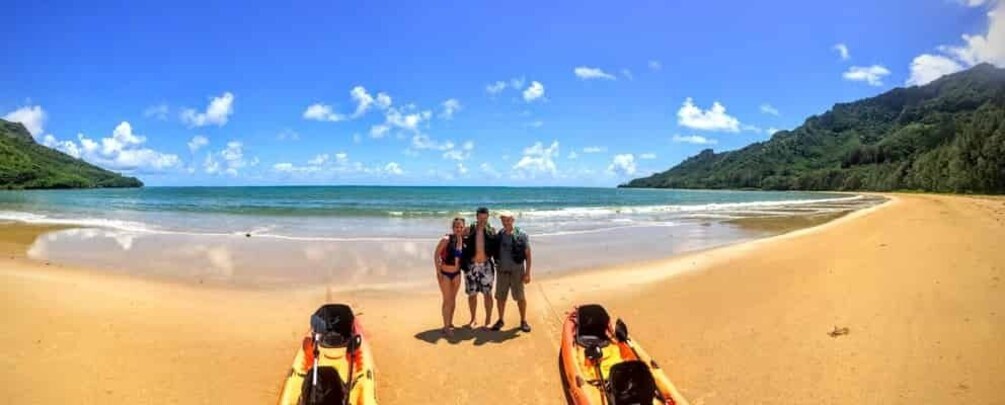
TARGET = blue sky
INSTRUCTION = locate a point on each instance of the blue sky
(511, 93)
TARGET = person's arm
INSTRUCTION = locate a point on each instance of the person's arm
(438, 257)
(527, 262)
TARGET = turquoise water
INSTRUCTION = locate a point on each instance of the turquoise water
(365, 211)
(354, 237)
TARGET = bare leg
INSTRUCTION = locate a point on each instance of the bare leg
(501, 304)
(523, 309)
(445, 291)
(473, 306)
(488, 309)
(452, 294)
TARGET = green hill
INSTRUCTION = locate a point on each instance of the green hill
(946, 136)
(26, 164)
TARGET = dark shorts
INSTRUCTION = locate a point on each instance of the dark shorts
(507, 281)
(479, 278)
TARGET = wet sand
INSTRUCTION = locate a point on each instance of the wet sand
(915, 282)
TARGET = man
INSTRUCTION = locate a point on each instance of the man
(513, 262)
(480, 275)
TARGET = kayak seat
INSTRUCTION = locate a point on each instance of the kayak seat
(592, 324)
(330, 390)
(334, 322)
(631, 382)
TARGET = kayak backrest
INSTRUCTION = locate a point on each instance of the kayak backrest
(592, 324)
(330, 389)
(631, 382)
(334, 323)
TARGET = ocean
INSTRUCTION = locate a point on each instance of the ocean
(356, 236)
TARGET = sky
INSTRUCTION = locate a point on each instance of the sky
(428, 93)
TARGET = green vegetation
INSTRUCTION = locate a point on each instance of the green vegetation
(26, 164)
(946, 136)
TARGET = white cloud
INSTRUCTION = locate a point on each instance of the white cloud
(489, 170)
(393, 168)
(873, 75)
(533, 92)
(587, 73)
(772, 130)
(974, 3)
(538, 159)
(535, 124)
(210, 164)
(363, 101)
(450, 107)
(495, 88)
(595, 149)
(233, 157)
(197, 143)
(217, 113)
(288, 135)
(713, 119)
(31, 116)
(159, 111)
(627, 74)
(424, 142)
(122, 151)
(925, 68)
(647, 156)
(842, 50)
(517, 82)
(461, 169)
(322, 112)
(694, 139)
(408, 121)
(319, 160)
(769, 109)
(623, 164)
(572, 155)
(655, 65)
(989, 48)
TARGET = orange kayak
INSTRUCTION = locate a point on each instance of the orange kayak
(334, 348)
(602, 365)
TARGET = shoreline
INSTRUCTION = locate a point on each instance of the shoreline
(740, 323)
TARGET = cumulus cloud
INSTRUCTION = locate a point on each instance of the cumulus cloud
(694, 139)
(989, 48)
(197, 142)
(538, 159)
(159, 111)
(450, 107)
(495, 88)
(769, 109)
(459, 154)
(587, 73)
(489, 170)
(217, 113)
(595, 149)
(393, 168)
(123, 150)
(873, 75)
(713, 119)
(842, 51)
(572, 155)
(322, 112)
(623, 164)
(31, 116)
(533, 92)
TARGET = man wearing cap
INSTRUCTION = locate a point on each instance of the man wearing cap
(513, 262)
(480, 249)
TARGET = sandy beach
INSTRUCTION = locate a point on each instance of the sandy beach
(899, 303)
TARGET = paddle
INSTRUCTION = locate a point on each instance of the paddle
(595, 353)
(350, 350)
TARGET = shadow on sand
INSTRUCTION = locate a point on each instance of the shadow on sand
(479, 336)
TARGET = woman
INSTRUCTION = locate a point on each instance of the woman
(449, 260)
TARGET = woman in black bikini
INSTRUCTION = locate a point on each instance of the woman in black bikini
(449, 260)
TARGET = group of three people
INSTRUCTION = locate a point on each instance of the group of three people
(484, 257)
